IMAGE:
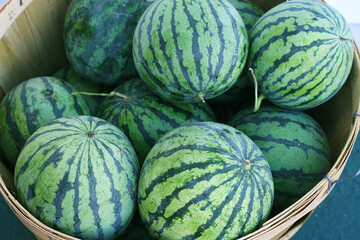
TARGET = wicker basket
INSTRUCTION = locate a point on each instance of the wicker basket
(31, 45)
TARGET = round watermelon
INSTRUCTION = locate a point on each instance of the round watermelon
(145, 118)
(295, 146)
(98, 39)
(188, 51)
(204, 181)
(68, 74)
(301, 53)
(30, 105)
(79, 175)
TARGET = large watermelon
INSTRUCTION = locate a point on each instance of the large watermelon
(204, 181)
(79, 175)
(301, 52)
(295, 146)
(190, 50)
(68, 74)
(29, 106)
(145, 118)
(98, 38)
(243, 88)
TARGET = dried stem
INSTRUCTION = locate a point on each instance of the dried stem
(258, 99)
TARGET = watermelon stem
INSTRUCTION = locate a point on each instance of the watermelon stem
(258, 98)
(247, 165)
(101, 94)
(342, 39)
(201, 96)
(90, 134)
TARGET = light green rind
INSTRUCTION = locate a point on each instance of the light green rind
(301, 52)
(80, 184)
(144, 117)
(98, 39)
(193, 184)
(30, 105)
(185, 48)
(295, 146)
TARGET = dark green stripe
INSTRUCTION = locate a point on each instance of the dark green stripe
(238, 205)
(195, 46)
(115, 194)
(77, 198)
(171, 172)
(281, 119)
(215, 212)
(290, 143)
(93, 197)
(201, 197)
(64, 187)
(31, 112)
(58, 112)
(179, 53)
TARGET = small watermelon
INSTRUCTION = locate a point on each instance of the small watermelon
(145, 118)
(79, 175)
(68, 74)
(204, 181)
(98, 39)
(190, 50)
(30, 105)
(301, 53)
(295, 146)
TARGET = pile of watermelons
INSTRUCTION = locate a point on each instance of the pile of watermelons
(124, 143)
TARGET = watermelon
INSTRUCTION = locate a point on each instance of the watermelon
(68, 74)
(243, 88)
(145, 118)
(301, 53)
(204, 181)
(30, 105)
(98, 39)
(79, 175)
(188, 51)
(295, 146)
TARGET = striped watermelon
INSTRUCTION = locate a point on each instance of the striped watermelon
(190, 50)
(243, 88)
(295, 146)
(79, 175)
(98, 39)
(145, 118)
(301, 52)
(29, 106)
(204, 181)
(68, 74)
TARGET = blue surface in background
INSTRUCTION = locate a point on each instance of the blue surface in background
(337, 217)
